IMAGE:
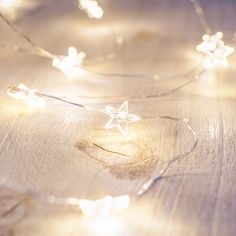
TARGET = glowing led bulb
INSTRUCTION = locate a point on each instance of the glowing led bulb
(120, 118)
(10, 4)
(7, 3)
(215, 49)
(22, 92)
(70, 65)
(103, 207)
(92, 8)
(9, 7)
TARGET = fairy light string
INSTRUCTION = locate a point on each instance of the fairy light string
(105, 206)
(91, 7)
(216, 53)
(72, 65)
(22, 89)
(119, 117)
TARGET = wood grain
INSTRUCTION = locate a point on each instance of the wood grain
(44, 149)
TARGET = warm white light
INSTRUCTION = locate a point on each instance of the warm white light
(215, 49)
(120, 39)
(105, 206)
(105, 226)
(70, 65)
(8, 3)
(9, 7)
(120, 118)
(92, 8)
(22, 92)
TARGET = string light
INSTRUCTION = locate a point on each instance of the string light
(215, 49)
(120, 118)
(216, 54)
(28, 97)
(92, 8)
(105, 206)
(70, 65)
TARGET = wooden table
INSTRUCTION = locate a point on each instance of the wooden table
(47, 149)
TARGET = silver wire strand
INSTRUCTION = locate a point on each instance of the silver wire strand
(201, 16)
(38, 50)
(74, 201)
(44, 53)
(150, 183)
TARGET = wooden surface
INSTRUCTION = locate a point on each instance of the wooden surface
(45, 149)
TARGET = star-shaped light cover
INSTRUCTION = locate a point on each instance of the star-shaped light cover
(103, 207)
(92, 8)
(119, 118)
(70, 65)
(215, 49)
(22, 92)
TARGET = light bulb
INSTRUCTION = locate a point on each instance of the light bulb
(9, 7)
(22, 92)
(120, 118)
(215, 49)
(70, 65)
(92, 8)
(7, 3)
(104, 207)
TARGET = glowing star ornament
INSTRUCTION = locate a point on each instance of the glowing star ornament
(215, 49)
(70, 65)
(92, 8)
(22, 92)
(120, 118)
(104, 207)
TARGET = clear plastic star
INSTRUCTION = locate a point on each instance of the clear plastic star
(103, 207)
(215, 49)
(120, 118)
(22, 92)
(92, 8)
(70, 65)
